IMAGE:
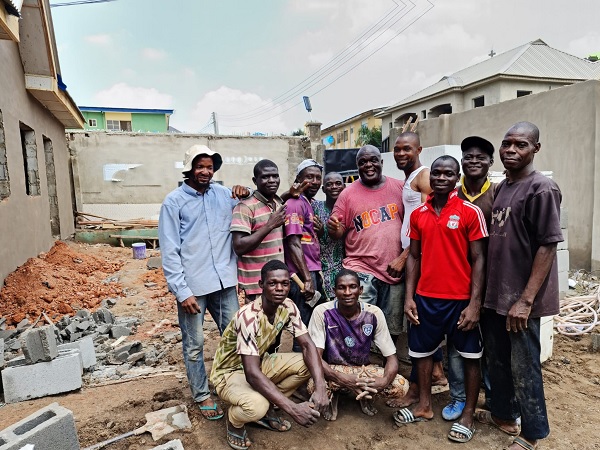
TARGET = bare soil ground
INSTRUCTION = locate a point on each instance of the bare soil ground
(572, 382)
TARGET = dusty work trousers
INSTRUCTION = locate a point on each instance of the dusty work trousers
(286, 370)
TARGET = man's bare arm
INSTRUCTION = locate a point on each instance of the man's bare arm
(296, 254)
(422, 184)
(413, 273)
(469, 317)
(244, 243)
(516, 319)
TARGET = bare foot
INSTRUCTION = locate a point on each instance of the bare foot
(332, 410)
(210, 409)
(237, 436)
(368, 407)
(465, 421)
(438, 378)
(411, 397)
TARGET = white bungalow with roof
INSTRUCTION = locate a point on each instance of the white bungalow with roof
(529, 69)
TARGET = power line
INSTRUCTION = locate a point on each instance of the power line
(326, 67)
(431, 5)
(336, 66)
(80, 2)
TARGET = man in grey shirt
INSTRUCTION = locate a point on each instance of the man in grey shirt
(199, 262)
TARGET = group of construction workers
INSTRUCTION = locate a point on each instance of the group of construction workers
(460, 259)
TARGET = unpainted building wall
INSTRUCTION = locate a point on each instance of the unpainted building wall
(25, 220)
(158, 161)
(569, 120)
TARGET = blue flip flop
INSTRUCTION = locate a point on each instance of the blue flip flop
(214, 407)
(232, 435)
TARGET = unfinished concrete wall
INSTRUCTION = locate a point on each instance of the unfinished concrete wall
(25, 229)
(569, 120)
(128, 175)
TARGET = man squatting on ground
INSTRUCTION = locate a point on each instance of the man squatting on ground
(522, 286)
(332, 250)
(257, 228)
(368, 216)
(301, 245)
(343, 331)
(199, 262)
(446, 236)
(407, 150)
(251, 380)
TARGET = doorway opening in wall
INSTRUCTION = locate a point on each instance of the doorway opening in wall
(52, 188)
(30, 160)
(4, 179)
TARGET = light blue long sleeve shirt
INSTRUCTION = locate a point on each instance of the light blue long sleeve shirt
(195, 242)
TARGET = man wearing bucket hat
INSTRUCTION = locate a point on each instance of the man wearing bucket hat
(198, 260)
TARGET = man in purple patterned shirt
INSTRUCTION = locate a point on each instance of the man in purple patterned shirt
(343, 331)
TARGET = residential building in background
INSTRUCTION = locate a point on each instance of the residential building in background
(345, 133)
(35, 108)
(126, 119)
(529, 69)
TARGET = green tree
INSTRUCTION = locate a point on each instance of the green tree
(298, 132)
(368, 136)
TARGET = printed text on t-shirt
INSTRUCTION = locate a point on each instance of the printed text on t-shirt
(375, 216)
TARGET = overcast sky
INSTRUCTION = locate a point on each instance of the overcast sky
(251, 61)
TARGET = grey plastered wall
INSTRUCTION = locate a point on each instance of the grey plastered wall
(25, 220)
(568, 119)
(158, 160)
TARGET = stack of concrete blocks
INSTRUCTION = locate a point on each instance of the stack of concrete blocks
(50, 428)
(43, 369)
(562, 256)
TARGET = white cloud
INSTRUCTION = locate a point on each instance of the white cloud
(121, 95)
(153, 54)
(319, 59)
(230, 106)
(585, 45)
(98, 39)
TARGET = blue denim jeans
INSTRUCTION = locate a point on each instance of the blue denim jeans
(515, 372)
(456, 376)
(222, 306)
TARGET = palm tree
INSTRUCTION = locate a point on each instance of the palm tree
(369, 137)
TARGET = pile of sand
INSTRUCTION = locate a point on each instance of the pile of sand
(59, 282)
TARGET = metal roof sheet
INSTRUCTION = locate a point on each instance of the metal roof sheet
(533, 60)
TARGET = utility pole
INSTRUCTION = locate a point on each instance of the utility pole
(215, 124)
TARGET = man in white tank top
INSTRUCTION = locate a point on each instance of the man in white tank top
(407, 149)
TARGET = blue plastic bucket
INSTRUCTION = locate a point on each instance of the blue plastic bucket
(139, 250)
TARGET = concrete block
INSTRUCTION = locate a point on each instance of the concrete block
(27, 381)
(39, 344)
(546, 337)
(175, 444)
(49, 428)
(1, 353)
(563, 282)
(595, 342)
(564, 217)
(564, 245)
(118, 331)
(562, 257)
(103, 315)
(86, 350)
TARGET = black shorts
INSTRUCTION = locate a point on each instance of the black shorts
(438, 319)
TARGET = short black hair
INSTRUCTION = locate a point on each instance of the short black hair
(410, 134)
(263, 164)
(272, 266)
(447, 158)
(346, 272)
(528, 127)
